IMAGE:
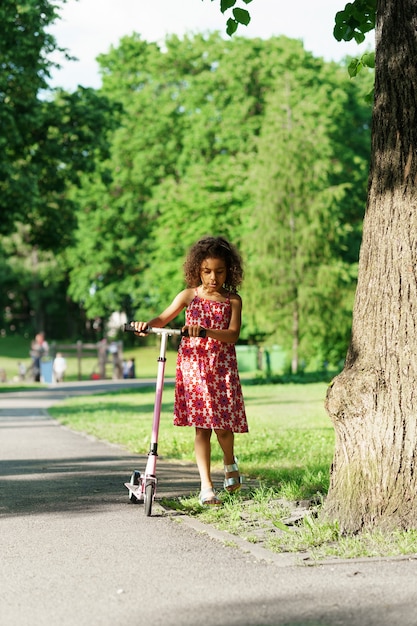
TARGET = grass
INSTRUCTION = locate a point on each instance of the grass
(259, 517)
(290, 442)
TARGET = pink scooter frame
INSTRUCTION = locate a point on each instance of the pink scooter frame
(143, 486)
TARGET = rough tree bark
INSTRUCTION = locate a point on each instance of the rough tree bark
(373, 402)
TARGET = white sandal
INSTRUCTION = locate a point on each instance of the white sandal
(233, 483)
(208, 497)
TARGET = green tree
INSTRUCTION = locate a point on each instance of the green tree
(33, 294)
(48, 140)
(302, 237)
(24, 47)
(182, 158)
(112, 239)
(222, 108)
(181, 133)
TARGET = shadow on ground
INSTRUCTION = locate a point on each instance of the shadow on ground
(79, 485)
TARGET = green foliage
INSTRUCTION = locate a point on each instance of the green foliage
(240, 16)
(186, 139)
(208, 145)
(303, 238)
(47, 142)
(357, 19)
(24, 45)
(70, 134)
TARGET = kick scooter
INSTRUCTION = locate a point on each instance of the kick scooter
(142, 486)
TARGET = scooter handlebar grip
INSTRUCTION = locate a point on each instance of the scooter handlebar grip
(128, 328)
(202, 333)
(131, 329)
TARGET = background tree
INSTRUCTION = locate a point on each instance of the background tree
(303, 235)
(24, 46)
(47, 141)
(186, 161)
(184, 108)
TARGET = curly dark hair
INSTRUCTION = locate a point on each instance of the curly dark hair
(214, 248)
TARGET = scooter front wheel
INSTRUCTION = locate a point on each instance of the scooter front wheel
(149, 496)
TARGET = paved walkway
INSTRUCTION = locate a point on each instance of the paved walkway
(73, 552)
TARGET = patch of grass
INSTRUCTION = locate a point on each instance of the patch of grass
(290, 444)
(323, 540)
(125, 418)
(17, 387)
(260, 518)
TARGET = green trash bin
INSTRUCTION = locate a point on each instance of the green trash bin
(274, 359)
(247, 358)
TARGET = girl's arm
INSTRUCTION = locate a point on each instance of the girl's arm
(231, 334)
(180, 301)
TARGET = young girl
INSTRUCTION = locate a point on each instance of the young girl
(208, 394)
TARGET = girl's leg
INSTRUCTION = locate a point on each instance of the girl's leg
(202, 447)
(226, 440)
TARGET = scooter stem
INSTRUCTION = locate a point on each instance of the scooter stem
(153, 451)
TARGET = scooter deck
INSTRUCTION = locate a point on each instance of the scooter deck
(135, 489)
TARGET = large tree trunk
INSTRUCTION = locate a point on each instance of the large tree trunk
(373, 402)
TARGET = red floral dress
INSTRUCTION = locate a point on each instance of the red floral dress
(208, 393)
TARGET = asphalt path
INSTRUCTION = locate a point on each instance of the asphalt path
(74, 552)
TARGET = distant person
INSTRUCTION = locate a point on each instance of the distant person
(38, 348)
(117, 363)
(208, 394)
(131, 368)
(21, 369)
(59, 367)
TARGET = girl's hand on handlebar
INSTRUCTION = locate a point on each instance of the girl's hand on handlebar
(194, 331)
(140, 328)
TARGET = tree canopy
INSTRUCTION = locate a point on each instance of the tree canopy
(196, 139)
(180, 141)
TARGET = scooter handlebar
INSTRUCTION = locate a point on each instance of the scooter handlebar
(149, 330)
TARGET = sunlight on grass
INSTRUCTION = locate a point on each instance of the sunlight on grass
(323, 540)
(258, 516)
(290, 443)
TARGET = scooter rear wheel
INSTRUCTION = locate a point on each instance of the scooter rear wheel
(134, 480)
(149, 495)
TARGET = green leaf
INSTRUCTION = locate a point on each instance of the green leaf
(368, 59)
(359, 37)
(226, 4)
(242, 16)
(369, 98)
(247, 1)
(354, 67)
(231, 26)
